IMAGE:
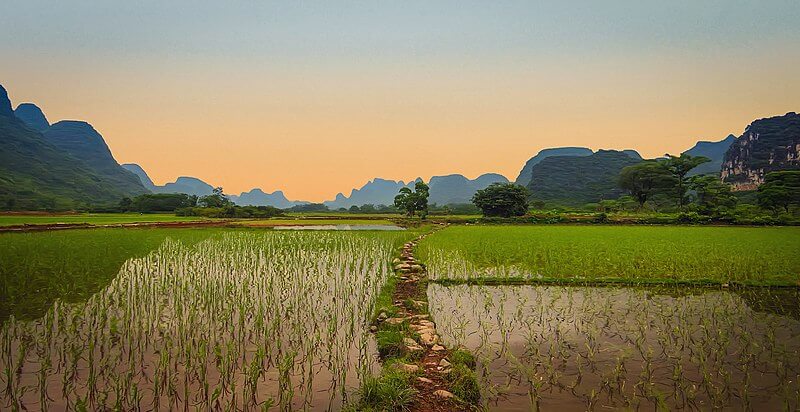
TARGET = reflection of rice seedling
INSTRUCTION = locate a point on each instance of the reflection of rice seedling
(593, 348)
(244, 320)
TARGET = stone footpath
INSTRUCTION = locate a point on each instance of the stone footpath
(411, 301)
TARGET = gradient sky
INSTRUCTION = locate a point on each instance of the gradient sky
(315, 98)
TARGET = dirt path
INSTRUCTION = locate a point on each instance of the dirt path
(411, 300)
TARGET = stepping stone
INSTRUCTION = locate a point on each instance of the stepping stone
(428, 338)
(443, 394)
(405, 367)
(444, 363)
(424, 380)
(395, 321)
(437, 348)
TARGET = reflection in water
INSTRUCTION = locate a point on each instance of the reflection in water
(579, 348)
(239, 321)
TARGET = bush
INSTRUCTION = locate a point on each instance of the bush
(390, 343)
(464, 384)
(391, 391)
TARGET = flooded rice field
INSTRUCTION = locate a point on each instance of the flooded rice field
(598, 348)
(239, 321)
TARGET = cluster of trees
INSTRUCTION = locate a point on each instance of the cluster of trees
(502, 200)
(217, 204)
(668, 179)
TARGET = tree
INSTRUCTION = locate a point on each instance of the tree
(125, 204)
(711, 194)
(413, 202)
(780, 190)
(646, 179)
(502, 199)
(216, 199)
(679, 167)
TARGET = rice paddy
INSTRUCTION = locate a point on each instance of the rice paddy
(256, 319)
(242, 320)
(629, 254)
(598, 348)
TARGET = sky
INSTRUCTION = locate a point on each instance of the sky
(315, 98)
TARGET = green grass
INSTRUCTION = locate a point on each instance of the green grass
(312, 221)
(91, 218)
(38, 268)
(706, 254)
(390, 391)
(72, 265)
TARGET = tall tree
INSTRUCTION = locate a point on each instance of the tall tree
(216, 199)
(502, 199)
(780, 190)
(679, 167)
(646, 179)
(413, 202)
(711, 194)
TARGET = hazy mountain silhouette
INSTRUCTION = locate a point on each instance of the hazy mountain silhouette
(376, 192)
(184, 184)
(455, 188)
(712, 150)
(257, 197)
(32, 116)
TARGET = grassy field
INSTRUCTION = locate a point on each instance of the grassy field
(91, 218)
(239, 319)
(40, 267)
(758, 256)
(312, 221)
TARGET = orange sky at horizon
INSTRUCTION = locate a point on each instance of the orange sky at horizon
(317, 122)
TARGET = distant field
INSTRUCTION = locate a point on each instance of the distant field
(769, 255)
(92, 218)
(307, 221)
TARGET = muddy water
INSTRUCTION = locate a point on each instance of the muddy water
(579, 348)
(237, 322)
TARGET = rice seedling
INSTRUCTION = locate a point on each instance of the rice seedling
(621, 254)
(542, 347)
(243, 320)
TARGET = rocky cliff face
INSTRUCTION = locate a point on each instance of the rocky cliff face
(766, 145)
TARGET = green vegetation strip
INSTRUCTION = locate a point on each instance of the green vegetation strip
(615, 254)
(91, 218)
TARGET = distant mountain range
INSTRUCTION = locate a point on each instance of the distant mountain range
(257, 197)
(454, 189)
(69, 165)
(197, 187)
(448, 189)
